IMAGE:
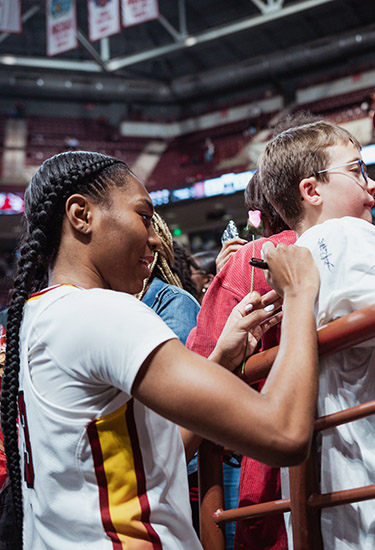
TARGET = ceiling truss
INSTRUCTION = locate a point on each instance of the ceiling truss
(270, 10)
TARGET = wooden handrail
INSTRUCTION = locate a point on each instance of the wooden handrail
(343, 333)
(342, 417)
(305, 503)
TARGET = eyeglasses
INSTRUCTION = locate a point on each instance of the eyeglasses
(361, 164)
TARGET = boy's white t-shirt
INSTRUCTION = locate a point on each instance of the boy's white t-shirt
(102, 470)
(344, 252)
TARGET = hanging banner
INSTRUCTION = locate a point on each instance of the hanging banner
(104, 18)
(61, 26)
(10, 16)
(138, 11)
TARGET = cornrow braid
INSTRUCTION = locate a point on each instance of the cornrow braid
(89, 174)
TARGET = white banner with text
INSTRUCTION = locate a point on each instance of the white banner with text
(104, 18)
(138, 11)
(61, 21)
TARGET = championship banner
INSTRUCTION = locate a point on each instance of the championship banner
(61, 19)
(104, 18)
(10, 16)
(138, 11)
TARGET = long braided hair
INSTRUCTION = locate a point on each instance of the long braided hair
(162, 266)
(89, 174)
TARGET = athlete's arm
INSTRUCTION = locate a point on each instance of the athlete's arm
(273, 426)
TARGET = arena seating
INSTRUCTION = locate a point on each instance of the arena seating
(183, 161)
(49, 135)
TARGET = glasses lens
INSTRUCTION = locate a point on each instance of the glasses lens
(363, 170)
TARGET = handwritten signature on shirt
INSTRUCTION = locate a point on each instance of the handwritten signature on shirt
(324, 254)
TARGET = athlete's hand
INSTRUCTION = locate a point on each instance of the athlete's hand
(249, 320)
(291, 268)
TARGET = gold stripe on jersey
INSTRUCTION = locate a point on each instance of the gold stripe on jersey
(120, 474)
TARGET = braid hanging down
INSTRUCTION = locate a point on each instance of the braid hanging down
(89, 174)
(162, 265)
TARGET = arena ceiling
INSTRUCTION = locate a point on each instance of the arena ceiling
(199, 52)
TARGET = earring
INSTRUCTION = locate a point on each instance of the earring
(204, 289)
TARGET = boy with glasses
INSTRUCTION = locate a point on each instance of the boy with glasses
(316, 179)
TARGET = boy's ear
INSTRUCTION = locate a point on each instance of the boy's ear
(78, 210)
(310, 191)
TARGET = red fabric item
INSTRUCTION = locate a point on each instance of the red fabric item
(259, 482)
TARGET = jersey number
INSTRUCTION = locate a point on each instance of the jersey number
(28, 457)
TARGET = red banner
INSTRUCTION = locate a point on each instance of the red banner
(138, 11)
(104, 18)
(61, 20)
(10, 16)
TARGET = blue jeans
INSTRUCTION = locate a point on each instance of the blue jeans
(231, 488)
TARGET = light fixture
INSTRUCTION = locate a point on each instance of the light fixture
(190, 41)
(8, 59)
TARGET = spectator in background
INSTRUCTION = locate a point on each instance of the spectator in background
(209, 150)
(164, 292)
(258, 482)
(203, 271)
(182, 267)
(71, 143)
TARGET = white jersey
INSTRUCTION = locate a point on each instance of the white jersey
(102, 471)
(344, 251)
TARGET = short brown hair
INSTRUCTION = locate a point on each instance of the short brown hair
(256, 200)
(295, 154)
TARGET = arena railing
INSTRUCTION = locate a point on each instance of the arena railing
(305, 500)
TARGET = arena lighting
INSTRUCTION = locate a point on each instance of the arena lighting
(8, 59)
(190, 41)
(226, 184)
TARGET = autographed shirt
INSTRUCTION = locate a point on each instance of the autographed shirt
(344, 251)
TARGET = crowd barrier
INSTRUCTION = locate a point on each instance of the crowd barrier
(305, 500)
